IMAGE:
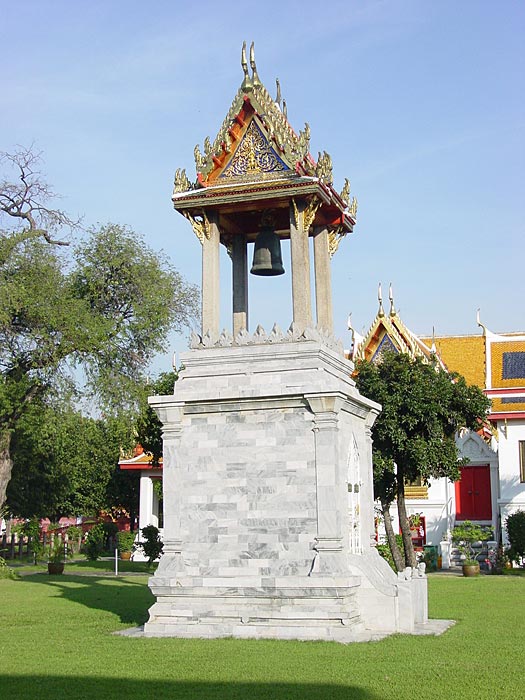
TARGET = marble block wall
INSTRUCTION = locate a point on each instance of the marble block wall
(268, 499)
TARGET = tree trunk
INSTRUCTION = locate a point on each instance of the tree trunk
(6, 463)
(391, 537)
(410, 555)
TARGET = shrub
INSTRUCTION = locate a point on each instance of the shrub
(6, 571)
(125, 541)
(94, 545)
(152, 544)
(466, 534)
(515, 525)
(74, 537)
(385, 552)
(110, 529)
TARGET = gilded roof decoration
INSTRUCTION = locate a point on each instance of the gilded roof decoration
(389, 331)
(288, 147)
(335, 236)
(200, 224)
(253, 155)
(256, 156)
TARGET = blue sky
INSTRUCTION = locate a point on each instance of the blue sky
(420, 104)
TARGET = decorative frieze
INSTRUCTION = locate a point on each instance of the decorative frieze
(260, 337)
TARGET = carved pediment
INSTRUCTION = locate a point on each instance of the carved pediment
(254, 156)
(472, 446)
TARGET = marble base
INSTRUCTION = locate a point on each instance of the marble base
(268, 502)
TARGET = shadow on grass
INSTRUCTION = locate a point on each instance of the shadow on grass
(82, 688)
(127, 599)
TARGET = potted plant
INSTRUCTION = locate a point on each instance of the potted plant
(57, 552)
(464, 536)
(125, 543)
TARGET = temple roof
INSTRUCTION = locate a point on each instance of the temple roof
(388, 332)
(494, 362)
(140, 460)
(257, 156)
(463, 354)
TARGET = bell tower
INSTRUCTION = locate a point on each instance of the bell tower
(268, 492)
(257, 183)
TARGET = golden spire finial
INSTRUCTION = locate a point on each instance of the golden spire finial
(391, 298)
(255, 77)
(381, 311)
(278, 95)
(247, 82)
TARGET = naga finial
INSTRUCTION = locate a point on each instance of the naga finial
(478, 321)
(345, 192)
(381, 311)
(285, 109)
(255, 76)
(433, 348)
(200, 161)
(247, 82)
(278, 97)
(391, 298)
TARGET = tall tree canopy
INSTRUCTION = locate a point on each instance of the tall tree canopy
(414, 435)
(64, 463)
(149, 427)
(103, 306)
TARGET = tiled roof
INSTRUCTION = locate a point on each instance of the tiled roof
(464, 354)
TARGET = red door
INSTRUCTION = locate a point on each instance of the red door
(473, 497)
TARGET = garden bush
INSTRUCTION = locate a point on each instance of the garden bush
(515, 525)
(385, 552)
(95, 540)
(152, 544)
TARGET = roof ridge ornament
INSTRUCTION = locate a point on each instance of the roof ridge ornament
(433, 348)
(345, 192)
(278, 97)
(255, 76)
(247, 83)
(381, 311)
(481, 325)
(393, 311)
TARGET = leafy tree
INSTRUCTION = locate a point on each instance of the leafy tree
(63, 462)
(149, 427)
(414, 435)
(104, 308)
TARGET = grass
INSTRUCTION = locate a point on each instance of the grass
(56, 643)
(106, 565)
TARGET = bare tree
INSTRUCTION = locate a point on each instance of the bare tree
(107, 307)
(25, 199)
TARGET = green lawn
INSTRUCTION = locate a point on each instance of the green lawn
(56, 643)
(106, 565)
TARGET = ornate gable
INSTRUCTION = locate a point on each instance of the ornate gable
(257, 163)
(254, 157)
(390, 333)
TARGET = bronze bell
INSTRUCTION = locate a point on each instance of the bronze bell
(267, 258)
